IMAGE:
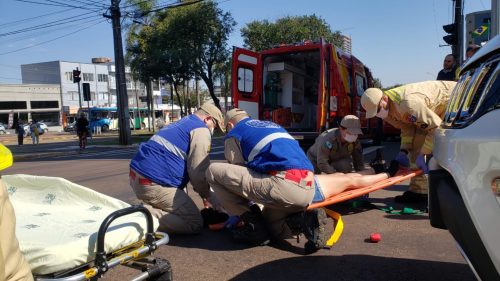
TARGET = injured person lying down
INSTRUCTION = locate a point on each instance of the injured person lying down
(267, 166)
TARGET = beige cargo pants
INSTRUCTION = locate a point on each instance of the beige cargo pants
(173, 207)
(235, 186)
(418, 184)
(13, 266)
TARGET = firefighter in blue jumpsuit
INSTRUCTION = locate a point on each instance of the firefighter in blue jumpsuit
(164, 165)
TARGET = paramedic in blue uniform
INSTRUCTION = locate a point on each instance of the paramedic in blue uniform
(164, 165)
(266, 166)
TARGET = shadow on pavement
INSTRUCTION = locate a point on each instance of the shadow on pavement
(355, 267)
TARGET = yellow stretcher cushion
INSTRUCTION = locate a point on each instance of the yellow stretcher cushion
(58, 221)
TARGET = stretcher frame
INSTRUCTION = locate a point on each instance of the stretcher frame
(136, 255)
(338, 226)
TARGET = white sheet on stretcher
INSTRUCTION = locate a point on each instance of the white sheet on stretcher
(58, 221)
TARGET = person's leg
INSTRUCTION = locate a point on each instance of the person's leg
(227, 182)
(336, 183)
(418, 184)
(173, 207)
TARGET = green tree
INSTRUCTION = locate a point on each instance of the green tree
(183, 43)
(261, 35)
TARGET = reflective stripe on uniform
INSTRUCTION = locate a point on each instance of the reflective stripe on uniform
(406, 140)
(395, 94)
(169, 146)
(263, 142)
(427, 147)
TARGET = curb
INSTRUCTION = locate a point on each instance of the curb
(25, 156)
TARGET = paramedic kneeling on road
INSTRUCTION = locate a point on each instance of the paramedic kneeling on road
(170, 159)
(338, 149)
(417, 109)
(267, 166)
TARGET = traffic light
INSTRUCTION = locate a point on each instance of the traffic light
(452, 37)
(86, 92)
(76, 76)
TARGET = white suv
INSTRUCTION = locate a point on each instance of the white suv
(464, 181)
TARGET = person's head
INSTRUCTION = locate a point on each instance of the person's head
(234, 116)
(82, 114)
(350, 128)
(471, 50)
(449, 61)
(211, 116)
(375, 103)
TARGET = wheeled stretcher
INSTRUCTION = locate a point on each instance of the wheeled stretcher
(69, 232)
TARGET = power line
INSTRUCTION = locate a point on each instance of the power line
(53, 39)
(49, 24)
(33, 18)
(57, 4)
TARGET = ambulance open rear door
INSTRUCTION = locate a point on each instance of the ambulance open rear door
(247, 81)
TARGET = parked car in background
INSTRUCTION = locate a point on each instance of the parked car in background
(42, 128)
(464, 176)
(71, 127)
(2, 129)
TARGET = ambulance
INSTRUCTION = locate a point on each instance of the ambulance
(306, 87)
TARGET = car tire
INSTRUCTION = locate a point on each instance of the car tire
(2, 132)
(105, 128)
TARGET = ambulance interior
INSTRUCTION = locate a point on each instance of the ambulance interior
(290, 94)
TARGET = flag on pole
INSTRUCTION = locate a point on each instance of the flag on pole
(480, 30)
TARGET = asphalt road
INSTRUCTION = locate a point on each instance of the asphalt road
(410, 248)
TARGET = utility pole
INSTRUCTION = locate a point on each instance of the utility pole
(121, 86)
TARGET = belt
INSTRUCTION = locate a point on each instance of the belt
(294, 175)
(142, 180)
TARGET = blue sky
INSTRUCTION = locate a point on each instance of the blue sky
(398, 39)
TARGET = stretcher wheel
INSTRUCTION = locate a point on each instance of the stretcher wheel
(161, 270)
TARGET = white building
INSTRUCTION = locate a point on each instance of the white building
(61, 73)
(30, 102)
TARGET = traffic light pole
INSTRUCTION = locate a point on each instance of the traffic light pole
(123, 112)
(79, 95)
(457, 50)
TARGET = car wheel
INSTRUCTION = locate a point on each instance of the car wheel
(2, 132)
(45, 130)
(105, 128)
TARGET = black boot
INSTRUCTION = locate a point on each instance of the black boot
(411, 197)
(313, 225)
(378, 163)
(254, 230)
(393, 168)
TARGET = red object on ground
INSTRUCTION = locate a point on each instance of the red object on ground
(375, 237)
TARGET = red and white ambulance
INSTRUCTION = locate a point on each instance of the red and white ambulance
(306, 87)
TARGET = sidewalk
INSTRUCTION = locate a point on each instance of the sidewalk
(59, 144)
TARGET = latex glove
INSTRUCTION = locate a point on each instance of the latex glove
(232, 222)
(422, 163)
(403, 159)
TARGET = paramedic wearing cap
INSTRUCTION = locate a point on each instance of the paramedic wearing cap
(266, 166)
(13, 266)
(164, 165)
(417, 109)
(338, 149)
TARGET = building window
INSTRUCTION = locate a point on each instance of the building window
(88, 76)
(102, 78)
(92, 95)
(44, 104)
(12, 105)
(68, 76)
